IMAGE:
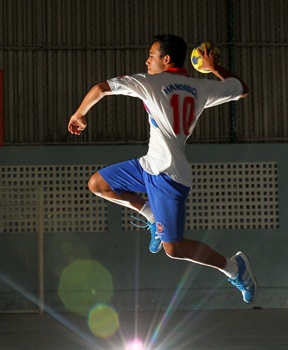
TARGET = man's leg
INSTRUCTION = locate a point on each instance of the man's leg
(101, 188)
(238, 268)
(98, 185)
(196, 252)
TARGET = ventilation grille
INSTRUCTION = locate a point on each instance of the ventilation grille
(68, 205)
(234, 196)
(229, 196)
(223, 196)
(20, 210)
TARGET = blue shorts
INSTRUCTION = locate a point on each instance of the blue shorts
(166, 197)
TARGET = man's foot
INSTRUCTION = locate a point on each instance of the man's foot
(245, 281)
(155, 242)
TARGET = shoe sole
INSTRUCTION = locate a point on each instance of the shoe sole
(156, 251)
(248, 267)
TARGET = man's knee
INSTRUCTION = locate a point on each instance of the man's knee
(172, 249)
(96, 184)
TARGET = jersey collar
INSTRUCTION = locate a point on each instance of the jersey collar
(177, 70)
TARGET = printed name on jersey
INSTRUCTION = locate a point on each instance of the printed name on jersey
(179, 87)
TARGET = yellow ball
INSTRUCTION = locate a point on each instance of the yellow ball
(196, 59)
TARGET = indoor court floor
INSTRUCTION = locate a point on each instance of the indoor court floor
(249, 329)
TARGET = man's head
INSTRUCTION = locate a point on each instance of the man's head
(167, 51)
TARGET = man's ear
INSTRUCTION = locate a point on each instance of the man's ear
(167, 59)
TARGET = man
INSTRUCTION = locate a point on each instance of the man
(174, 102)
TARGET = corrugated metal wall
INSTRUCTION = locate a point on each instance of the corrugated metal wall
(53, 51)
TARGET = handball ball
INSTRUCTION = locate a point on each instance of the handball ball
(196, 59)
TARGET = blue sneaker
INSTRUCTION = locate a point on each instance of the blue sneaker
(155, 242)
(245, 281)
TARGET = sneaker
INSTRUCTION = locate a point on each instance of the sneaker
(245, 281)
(155, 242)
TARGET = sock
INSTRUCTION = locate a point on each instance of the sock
(231, 269)
(147, 212)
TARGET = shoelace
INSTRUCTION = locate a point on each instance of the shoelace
(146, 225)
(242, 285)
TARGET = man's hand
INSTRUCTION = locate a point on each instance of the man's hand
(210, 61)
(77, 124)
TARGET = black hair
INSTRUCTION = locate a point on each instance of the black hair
(174, 46)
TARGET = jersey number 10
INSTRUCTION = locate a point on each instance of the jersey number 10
(182, 119)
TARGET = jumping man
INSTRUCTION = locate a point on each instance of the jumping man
(174, 101)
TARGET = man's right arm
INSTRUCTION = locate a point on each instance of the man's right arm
(223, 73)
(210, 62)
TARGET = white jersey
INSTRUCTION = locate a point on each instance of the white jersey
(174, 102)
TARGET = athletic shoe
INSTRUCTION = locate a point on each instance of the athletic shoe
(245, 281)
(155, 242)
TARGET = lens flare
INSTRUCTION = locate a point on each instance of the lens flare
(83, 284)
(63, 249)
(135, 344)
(103, 321)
